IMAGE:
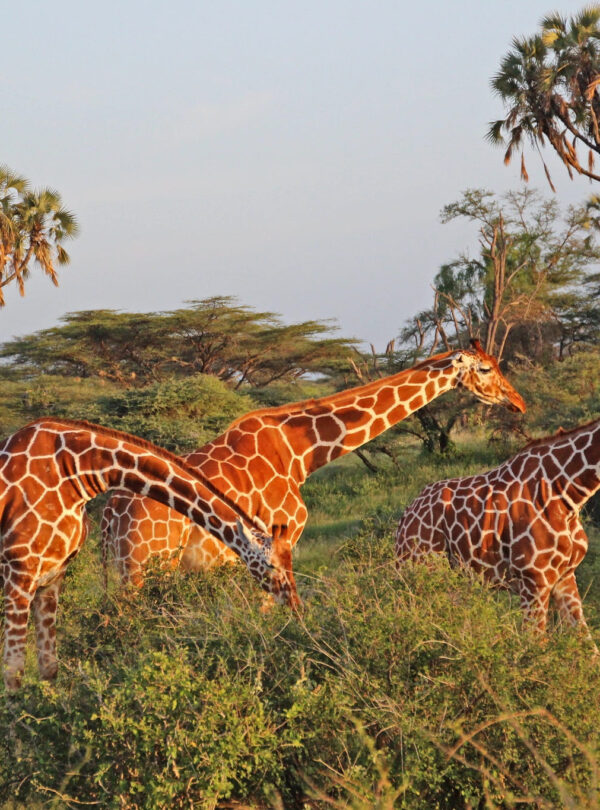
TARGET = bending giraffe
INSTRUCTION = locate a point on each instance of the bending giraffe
(517, 524)
(263, 459)
(48, 470)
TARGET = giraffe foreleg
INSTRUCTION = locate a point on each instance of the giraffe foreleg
(568, 601)
(534, 599)
(45, 605)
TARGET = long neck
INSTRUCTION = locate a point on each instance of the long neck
(327, 428)
(572, 463)
(94, 459)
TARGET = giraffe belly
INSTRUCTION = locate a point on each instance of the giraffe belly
(203, 552)
(48, 577)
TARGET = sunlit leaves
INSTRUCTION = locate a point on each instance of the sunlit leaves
(549, 86)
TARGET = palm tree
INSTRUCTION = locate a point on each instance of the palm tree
(549, 83)
(33, 227)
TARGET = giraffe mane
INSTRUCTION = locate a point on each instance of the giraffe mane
(559, 434)
(302, 405)
(160, 452)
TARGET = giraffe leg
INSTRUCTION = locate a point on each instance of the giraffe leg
(534, 601)
(567, 600)
(45, 605)
(131, 574)
(17, 604)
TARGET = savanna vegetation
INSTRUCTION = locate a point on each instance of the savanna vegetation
(414, 689)
(418, 689)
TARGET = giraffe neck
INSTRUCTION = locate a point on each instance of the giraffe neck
(571, 462)
(318, 431)
(93, 459)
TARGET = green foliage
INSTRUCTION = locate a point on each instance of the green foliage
(528, 290)
(561, 394)
(22, 400)
(413, 689)
(215, 336)
(180, 414)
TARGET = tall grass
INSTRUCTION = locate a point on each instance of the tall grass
(419, 689)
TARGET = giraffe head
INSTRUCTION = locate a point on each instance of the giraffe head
(270, 564)
(480, 373)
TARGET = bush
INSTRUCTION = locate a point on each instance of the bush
(418, 689)
(179, 414)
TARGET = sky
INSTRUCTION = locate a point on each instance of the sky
(295, 155)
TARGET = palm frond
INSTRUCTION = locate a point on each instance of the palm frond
(494, 133)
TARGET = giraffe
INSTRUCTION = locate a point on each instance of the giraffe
(518, 524)
(264, 457)
(48, 470)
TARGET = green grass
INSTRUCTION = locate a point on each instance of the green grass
(341, 494)
(418, 690)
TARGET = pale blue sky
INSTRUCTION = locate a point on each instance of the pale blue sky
(293, 154)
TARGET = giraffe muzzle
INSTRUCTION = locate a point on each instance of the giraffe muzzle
(515, 403)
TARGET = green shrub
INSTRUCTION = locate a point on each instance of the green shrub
(417, 689)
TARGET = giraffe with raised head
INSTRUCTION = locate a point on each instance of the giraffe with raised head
(264, 457)
(518, 524)
(48, 471)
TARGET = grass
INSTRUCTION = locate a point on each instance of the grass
(341, 494)
(415, 690)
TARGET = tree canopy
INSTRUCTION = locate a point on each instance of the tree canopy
(33, 227)
(214, 336)
(531, 289)
(530, 292)
(548, 83)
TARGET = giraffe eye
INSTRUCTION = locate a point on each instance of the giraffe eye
(485, 370)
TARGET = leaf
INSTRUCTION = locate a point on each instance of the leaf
(591, 88)
(549, 179)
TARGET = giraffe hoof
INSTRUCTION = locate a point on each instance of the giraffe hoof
(49, 673)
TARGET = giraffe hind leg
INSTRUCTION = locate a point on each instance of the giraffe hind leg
(45, 605)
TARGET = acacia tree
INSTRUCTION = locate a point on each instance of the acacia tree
(33, 227)
(549, 85)
(216, 336)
